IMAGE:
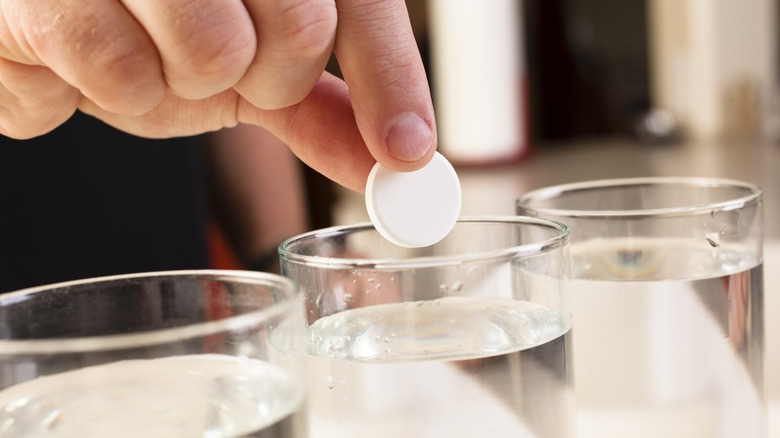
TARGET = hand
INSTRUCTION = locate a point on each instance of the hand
(181, 67)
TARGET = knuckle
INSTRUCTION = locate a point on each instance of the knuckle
(225, 53)
(394, 70)
(124, 65)
(25, 123)
(307, 30)
(130, 80)
(376, 16)
(32, 101)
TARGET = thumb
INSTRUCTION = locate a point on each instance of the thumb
(388, 88)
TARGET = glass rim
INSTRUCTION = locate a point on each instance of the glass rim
(390, 263)
(83, 344)
(753, 194)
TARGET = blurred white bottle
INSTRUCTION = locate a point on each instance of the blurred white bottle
(478, 73)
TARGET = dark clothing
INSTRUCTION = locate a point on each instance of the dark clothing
(87, 200)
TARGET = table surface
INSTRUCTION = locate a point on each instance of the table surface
(493, 190)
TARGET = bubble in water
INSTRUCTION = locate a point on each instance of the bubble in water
(347, 297)
(371, 280)
(457, 286)
(50, 421)
(247, 349)
(330, 381)
(443, 288)
(340, 342)
(630, 257)
(713, 239)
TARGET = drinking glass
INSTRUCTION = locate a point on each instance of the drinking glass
(668, 304)
(166, 354)
(467, 337)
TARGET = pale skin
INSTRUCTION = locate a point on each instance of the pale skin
(168, 68)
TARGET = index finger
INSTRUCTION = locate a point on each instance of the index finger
(381, 63)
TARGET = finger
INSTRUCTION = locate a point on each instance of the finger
(381, 64)
(205, 46)
(34, 100)
(295, 40)
(320, 130)
(94, 45)
(174, 116)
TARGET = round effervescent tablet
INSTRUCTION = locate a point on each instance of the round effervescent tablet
(414, 209)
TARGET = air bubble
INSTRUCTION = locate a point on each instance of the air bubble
(330, 381)
(340, 343)
(457, 286)
(713, 239)
(247, 349)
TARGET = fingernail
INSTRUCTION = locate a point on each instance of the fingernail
(409, 139)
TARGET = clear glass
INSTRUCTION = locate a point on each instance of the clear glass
(464, 338)
(166, 354)
(668, 304)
